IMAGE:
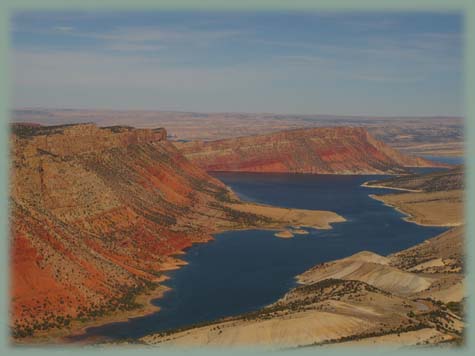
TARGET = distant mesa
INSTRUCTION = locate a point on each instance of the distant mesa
(71, 139)
(326, 150)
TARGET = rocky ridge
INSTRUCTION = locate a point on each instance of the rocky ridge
(324, 150)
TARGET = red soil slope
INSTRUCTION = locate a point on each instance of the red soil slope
(95, 215)
(334, 150)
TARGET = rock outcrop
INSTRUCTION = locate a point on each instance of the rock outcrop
(96, 214)
(332, 150)
(69, 140)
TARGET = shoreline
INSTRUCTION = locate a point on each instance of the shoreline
(145, 300)
(77, 328)
(192, 333)
(359, 173)
(367, 185)
(66, 335)
(409, 217)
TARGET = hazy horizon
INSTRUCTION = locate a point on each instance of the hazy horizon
(343, 64)
(316, 115)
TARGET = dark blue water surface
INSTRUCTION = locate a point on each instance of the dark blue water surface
(448, 160)
(242, 271)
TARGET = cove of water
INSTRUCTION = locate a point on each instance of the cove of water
(242, 271)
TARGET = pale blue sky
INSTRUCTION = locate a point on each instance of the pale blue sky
(302, 63)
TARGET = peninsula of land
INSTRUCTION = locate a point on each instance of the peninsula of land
(435, 199)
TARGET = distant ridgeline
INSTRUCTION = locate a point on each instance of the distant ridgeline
(326, 150)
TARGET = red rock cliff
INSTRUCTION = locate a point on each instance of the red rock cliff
(96, 214)
(334, 150)
(70, 140)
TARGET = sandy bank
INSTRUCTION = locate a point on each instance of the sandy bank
(369, 185)
(281, 217)
(286, 234)
(443, 208)
(300, 232)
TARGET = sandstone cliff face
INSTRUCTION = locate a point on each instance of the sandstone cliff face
(96, 214)
(335, 150)
(67, 140)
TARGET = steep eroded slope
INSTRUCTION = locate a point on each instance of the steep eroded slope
(326, 150)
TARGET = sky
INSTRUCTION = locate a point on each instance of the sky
(392, 64)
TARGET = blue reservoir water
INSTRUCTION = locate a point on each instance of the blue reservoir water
(448, 160)
(242, 271)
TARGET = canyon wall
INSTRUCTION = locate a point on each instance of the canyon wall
(96, 215)
(332, 150)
